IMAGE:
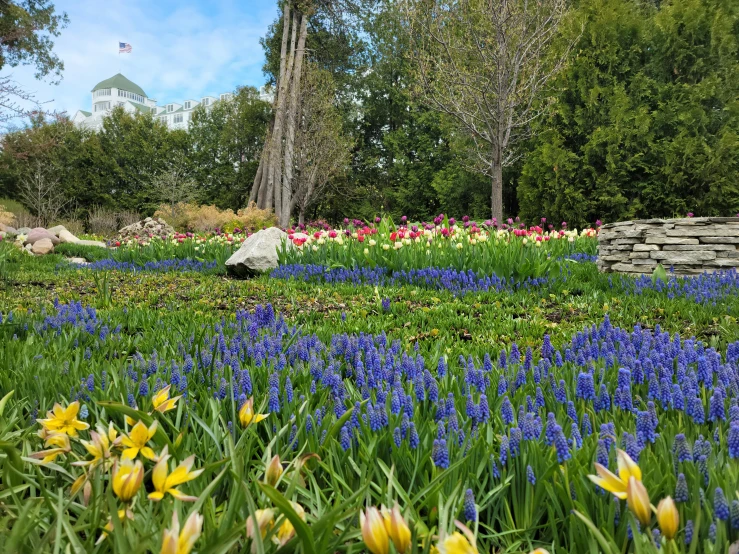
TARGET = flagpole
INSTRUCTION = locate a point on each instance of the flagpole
(119, 56)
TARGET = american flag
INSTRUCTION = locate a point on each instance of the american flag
(124, 47)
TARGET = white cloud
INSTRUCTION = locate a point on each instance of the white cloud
(187, 51)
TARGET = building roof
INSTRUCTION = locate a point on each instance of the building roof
(140, 107)
(86, 114)
(119, 81)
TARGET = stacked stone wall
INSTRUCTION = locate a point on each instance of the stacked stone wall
(688, 246)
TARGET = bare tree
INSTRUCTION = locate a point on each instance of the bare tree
(486, 63)
(322, 149)
(174, 185)
(273, 185)
(40, 192)
(18, 103)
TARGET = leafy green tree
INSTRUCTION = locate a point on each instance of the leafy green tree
(136, 147)
(645, 120)
(227, 141)
(27, 30)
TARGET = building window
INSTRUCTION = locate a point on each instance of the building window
(170, 107)
(187, 105)
(119, 103)
(206, 102)
(225, 96)
(178, 118)
(102, 92)
(102, 106)
(131, 96)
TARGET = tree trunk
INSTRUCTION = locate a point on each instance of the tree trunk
(301, 216)
(262, 198)
(274, 175)
(257, 181)
(496, 196)
(292, 116)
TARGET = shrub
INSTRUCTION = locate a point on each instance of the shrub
(190, 217)
(253, 218)
(26, 219)
(6, 217)
(74, 226)
(102, 221)
(128, 217)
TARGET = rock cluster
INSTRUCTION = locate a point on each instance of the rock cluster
(688, 246)
(146, 229)
(42, 241)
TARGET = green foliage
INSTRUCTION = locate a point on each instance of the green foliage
(27, 29)
(645, 121)
(227, 141)
(89, 253)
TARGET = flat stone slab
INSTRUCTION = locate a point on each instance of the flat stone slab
(91, 243)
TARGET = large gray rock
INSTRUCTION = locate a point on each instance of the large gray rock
(66, 236)
(90, 243)
(23, 230)
(42, 246)
(39, 233)
(258, 253)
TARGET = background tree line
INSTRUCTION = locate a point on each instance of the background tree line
(640, 120)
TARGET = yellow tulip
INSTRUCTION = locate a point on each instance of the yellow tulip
(247, 415)
(127, 478)
(99, 446)
(274, 471)
(668, 518)
(162, 402)
(164, 483)
(456, 543)
(176, 542)
(617, 484)
(64, 420)
(286, 530)
(397, 528)
(137, 439)
(374, 533)
(262, 520)
(60, 442)
(637, 499)
(540, 551)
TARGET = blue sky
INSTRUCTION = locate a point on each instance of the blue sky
(181, 49)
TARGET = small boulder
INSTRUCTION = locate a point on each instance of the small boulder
(78, 261)
(91, 243)
(258, 253)
(39, 233)
(42, 246)
(66, 236)
(23, 231)
(7, 229)
(56, 229)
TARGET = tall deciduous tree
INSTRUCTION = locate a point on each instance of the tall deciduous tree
(486, 63)
(273, 185)
(227, 141)
(322, 149)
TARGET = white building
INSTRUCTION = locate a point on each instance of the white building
(121, 91)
